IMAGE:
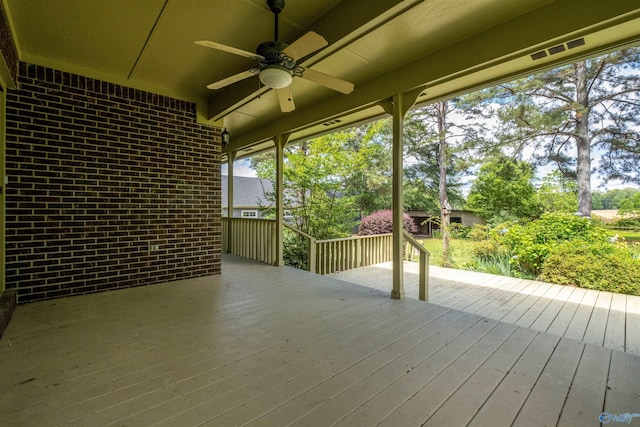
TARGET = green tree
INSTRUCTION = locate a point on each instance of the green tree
(370, 185)
(332, 180)
(612, 198)
(503, 188)
(568, 111)
(436, 143)
(558, 193)
(631, 205)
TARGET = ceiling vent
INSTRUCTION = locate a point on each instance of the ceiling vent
(331, 122)
(557, 49)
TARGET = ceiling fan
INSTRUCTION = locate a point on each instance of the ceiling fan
(278, 63)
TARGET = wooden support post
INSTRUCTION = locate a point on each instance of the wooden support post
(398, 199)
(398, 107)
(280, 142)
(311, 255)
(423, 278)
(231, 157)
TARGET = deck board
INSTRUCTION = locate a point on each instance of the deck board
(591, 316)
(632, 342)
(461, 407)
(623, 387)
(615, 332)
(355, 396)
(598, 322)
(384, 403)
(275, 346)
(423, 404)
(589, 385)
(503, 405)
(546, 400)
(551, 311)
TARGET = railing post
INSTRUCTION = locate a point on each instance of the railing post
(311, 255)
(423, 277)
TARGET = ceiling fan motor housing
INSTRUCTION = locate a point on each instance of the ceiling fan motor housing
(272, 51)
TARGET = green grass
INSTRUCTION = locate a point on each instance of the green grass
(629, 235)
(461, 250)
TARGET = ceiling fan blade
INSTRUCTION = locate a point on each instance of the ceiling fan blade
(285, 98)
(305, 45)
(235, 78)
(328, 81)
(229, 49)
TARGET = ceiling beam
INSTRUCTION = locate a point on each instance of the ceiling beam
(555, 22)
(348, 21)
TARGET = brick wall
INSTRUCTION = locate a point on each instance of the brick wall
(98, 173)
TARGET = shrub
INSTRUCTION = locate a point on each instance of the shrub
(530, 244)
(492, 264)
(593, 265)
(631, 223)
(479, 232)
(459, 231)
(294, 251)
(381, 222)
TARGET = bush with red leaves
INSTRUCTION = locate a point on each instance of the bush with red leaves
(380, 222)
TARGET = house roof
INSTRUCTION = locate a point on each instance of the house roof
(248, 192)
(434, 48)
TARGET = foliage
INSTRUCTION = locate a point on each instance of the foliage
(530, 244)
(381, 222)
(593, 265)
(558, 193)
(316, 177)
(294, 250)
(569, 110)
(479, 232)
(459, 231)
(631, 223)
(611, 199)
(369, 182)
(631, 205)
(503, 188)
(435, 143)
(494, 263)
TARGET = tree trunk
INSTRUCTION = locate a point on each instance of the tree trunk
(441, 108)
(583, 141)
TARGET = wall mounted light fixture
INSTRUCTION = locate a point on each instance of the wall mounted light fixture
(226, 137)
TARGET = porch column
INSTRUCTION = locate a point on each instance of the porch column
(398, 107)
(280, 141)
(231, 157)
(397, 196)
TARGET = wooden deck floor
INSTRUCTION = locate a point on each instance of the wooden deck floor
(274, 346)
(595, 317)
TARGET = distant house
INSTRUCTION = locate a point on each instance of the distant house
(427, 222)
(248, 196)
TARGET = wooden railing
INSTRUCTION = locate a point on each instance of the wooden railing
(352, 252)
(251, 238)
(330, 256)
(423, 266)
(256, 239)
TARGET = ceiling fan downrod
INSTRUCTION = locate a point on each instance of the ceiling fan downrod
(276, 7)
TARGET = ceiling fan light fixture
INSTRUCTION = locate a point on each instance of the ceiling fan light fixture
(276, 77)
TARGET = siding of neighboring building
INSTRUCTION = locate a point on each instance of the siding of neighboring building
(248, 196)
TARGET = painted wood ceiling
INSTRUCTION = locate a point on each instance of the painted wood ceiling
(384, 47)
